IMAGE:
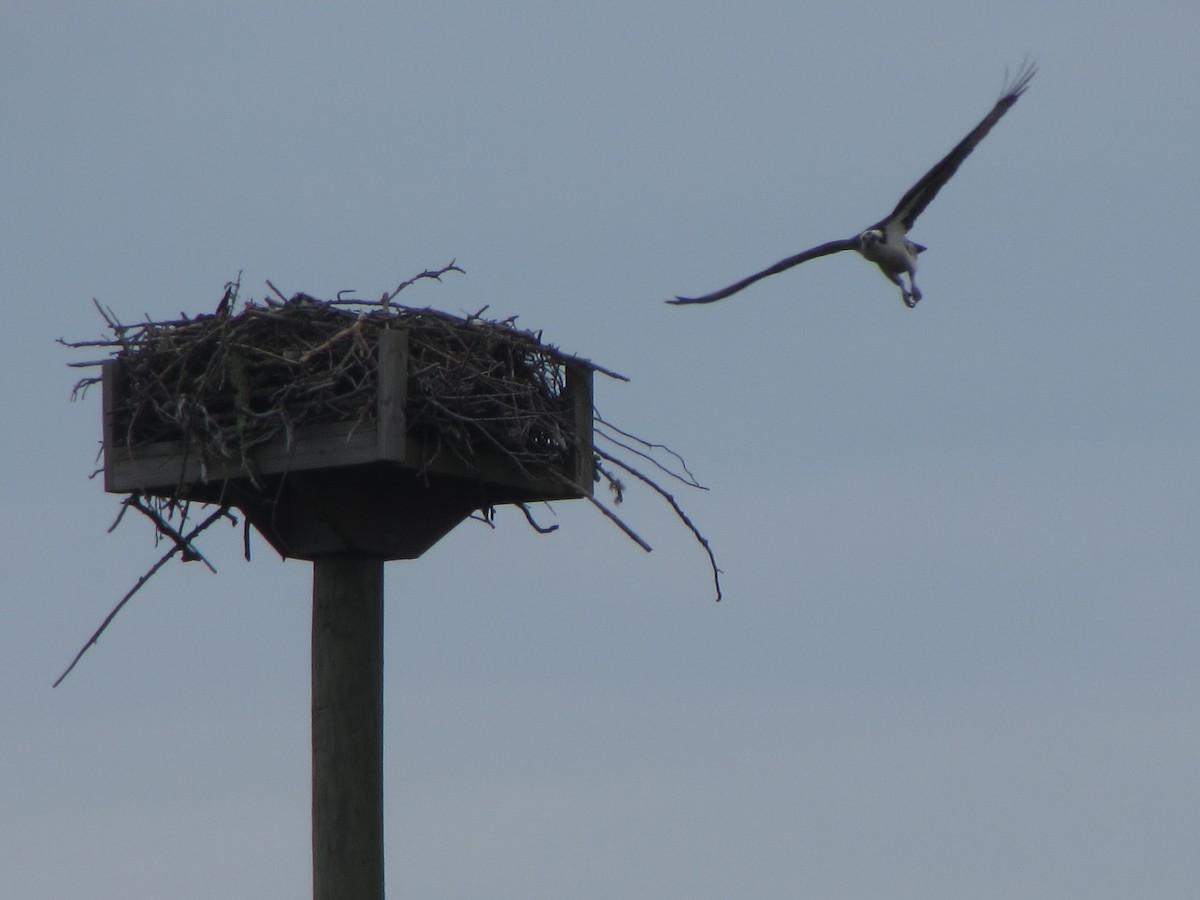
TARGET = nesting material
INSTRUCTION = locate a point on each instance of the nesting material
(229, 384)
(236, 385)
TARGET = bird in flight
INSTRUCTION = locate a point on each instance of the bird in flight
(886, 242)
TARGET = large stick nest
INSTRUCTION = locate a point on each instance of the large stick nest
(229, 382)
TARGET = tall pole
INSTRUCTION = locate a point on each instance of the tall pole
(347, 728)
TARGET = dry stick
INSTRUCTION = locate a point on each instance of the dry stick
(81, 387)
(345, 332)
(436, 276)
(76, 345)
(190, 553)
(688, 478)
(683, 517)
(141, 581)
(630, 533)
(117, 328)
(650, 446)
(120, 515)
(612, 516)
(385, 302)
(540, 529)
(530, 340)
(277, 291)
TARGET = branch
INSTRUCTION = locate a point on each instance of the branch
(690, 480)
(687, 478)
(428, 273)
(612, 516)
(540, 529)
(175, 548)
(345, 332)
(683, 517)
(184, 545)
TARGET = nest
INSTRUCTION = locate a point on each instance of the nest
(228, 384)
(231, 382)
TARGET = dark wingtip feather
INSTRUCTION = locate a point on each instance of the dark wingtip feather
(1015, 88)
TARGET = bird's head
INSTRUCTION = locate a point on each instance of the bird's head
(870, 237)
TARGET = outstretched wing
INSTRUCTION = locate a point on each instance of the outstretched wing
(920, 194)
(782, 265)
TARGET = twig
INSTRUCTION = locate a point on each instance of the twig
(683, 517)
(688, 478)
(428, 273)
(616, 520)
(175, 548)
(356, 328)
(540, 529)
(609, 514)
(690, 481)
(278, 292)
(108, 317)
(190, 553)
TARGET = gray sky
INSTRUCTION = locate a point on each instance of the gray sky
(957, 655)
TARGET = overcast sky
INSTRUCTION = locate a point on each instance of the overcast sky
(958, 651)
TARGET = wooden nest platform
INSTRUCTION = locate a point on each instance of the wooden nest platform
(345, 427)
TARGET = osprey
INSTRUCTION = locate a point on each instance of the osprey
(886, 242)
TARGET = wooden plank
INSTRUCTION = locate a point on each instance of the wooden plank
(110, 373)
(165, 465)
(392, 394)
(162, 467)
(579, 389)
(491, 469)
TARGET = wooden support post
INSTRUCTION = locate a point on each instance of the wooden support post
(347, 728)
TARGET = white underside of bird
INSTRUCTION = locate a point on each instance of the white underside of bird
(891, 250)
